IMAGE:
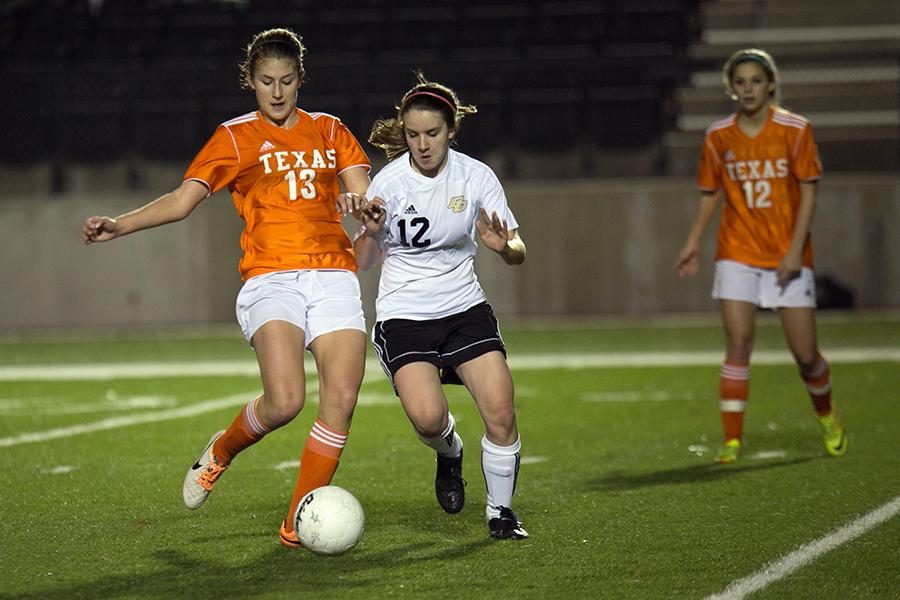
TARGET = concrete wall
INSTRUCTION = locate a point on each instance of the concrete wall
(594, 246)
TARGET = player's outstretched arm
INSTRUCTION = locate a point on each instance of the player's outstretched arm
(174, 206)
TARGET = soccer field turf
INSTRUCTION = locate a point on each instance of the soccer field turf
(617, 485)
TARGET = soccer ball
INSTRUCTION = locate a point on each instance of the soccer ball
(329, 520)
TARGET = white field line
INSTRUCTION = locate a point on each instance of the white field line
(636, 396)
(170, 414)
(228, 368)
(807, 553)
(127, 421)
(521, 362)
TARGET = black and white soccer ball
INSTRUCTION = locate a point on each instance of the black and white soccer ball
(329, 520)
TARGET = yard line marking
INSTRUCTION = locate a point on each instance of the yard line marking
(682, 359)
(767, 454)
(167, 415)
(636, 396)
(60, 405)
(377, 399)
(519, 362)
(136, 370)
(60, 470)
(807, 553)
(116, 422)
(287, 465)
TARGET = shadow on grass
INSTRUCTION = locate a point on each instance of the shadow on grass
(691, 474)
(177, 573)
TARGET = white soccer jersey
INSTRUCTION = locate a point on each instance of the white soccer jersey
(428, 269)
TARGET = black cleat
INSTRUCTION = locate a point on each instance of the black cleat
(507, 526)
(449, 486)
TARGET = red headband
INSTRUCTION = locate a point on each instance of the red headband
(408, 97)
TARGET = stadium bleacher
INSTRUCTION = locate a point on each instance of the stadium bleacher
(92, 81)
(151, 79)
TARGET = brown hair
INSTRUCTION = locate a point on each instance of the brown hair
(388, 135)
(272, 43)
(760, 57)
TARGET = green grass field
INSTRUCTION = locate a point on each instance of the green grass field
(617, 487)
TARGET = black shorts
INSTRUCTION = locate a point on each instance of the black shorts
(445, 342)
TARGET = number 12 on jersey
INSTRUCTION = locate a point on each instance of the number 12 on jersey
(757, 192)
(418, 226)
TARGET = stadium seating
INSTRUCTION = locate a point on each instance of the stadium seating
(150, 79)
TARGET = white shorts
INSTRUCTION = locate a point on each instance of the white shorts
(317, 301)
(737, 281)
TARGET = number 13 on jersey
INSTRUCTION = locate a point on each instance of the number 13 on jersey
(301, 181)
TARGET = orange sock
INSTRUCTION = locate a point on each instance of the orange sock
(244, 431)
(734, 387)
(318, 463)
(818, 383)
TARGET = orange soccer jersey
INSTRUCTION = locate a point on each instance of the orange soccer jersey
(761, 178)
(284, 183)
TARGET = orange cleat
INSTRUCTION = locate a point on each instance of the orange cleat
(289, 539)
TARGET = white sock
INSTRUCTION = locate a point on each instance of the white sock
(448, 443)
(500, 465)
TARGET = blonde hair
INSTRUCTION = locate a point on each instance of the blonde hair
(388, 135)
(272, 43)
(760, 57)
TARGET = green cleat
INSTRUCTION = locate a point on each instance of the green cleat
(729, 451)
(833, 435)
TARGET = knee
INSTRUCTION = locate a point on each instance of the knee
(429, 423)
(280, 407)
(739, 349)
(341, 397)
(807, 363)
(500, 426)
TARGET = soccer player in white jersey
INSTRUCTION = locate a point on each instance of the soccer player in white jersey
(434, 324)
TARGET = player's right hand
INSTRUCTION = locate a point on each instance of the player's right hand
(98, 229)
(373, 215)
(688, 262)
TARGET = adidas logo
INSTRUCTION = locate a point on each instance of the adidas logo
(267, 145)
(729, 155)
(410, 210)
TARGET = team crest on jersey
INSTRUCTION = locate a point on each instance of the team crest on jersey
(458, 204)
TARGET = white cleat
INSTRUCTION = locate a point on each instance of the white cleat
(202, 476)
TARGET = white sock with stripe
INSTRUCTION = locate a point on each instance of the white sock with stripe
(500, 465)
(448, 443)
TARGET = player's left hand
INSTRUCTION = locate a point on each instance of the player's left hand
(788, 269)
(493, 230)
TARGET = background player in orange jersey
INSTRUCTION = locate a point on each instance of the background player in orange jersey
(285, 168)
(763, 160)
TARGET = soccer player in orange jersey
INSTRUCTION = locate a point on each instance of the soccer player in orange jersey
(285, 169)
(763, 160)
